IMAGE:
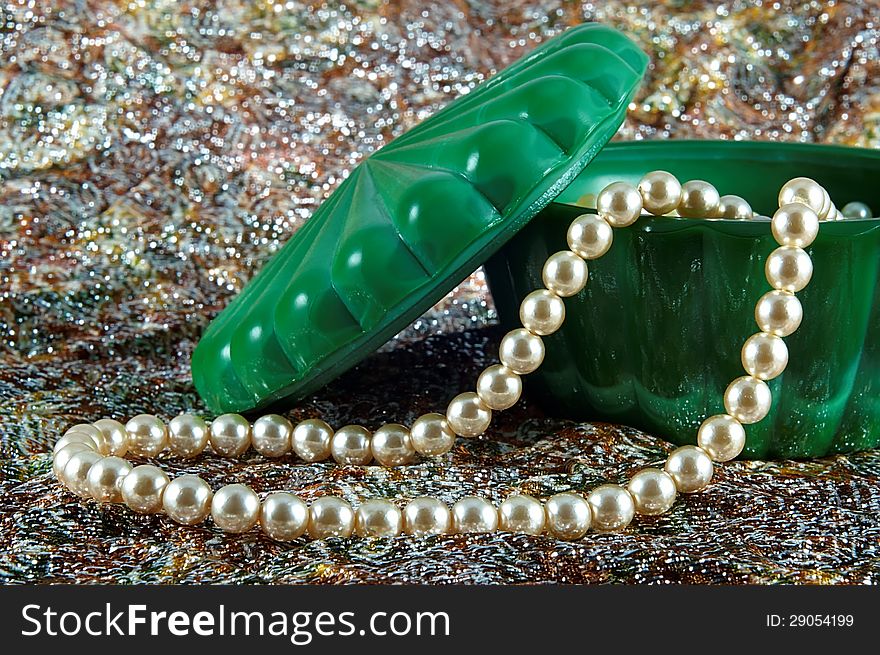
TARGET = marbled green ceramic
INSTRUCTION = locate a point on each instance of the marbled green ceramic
(655, 337)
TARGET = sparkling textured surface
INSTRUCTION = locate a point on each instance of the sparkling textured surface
(153, 155)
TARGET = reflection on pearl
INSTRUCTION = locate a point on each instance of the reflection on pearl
(76, 471)
(779, 313)
(612, 508)
(311, 440)
(104, 479)
(856, 210)
(378, 518)
(699, 199)
(747, 399)
(235, 508)
(722, 437)
(91, 431)
(75, 438)
(690, 467)
(271, 435)
(284, 516)
(734, 207)
(521, 351)
(63, 455)
(467, 415)
(564, 273)
(187, 435)
(568, 516)
(619, 203)
(660, 191)
(764, 356)
(330, 516)
(431, 435)
(351, 446)
(392, 445)
(542, 312)
(590, 236)
(473, 514)
(653, 491)
(795, 225)
(115, 436)
(789, 268)
(230, 435)
(522, 514)
(142, 488)
(805, 191)
(425, 516)
(187, 499)
(147, 435)
(499, 387)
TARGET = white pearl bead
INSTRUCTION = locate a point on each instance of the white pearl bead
(747, 399)
(96, 435)
(473, 514)
(378, 518)
(311, 440)
(115, 436)
(779, 313)
(230, 435)
(565, 273)
(75, 438)
(284, 516)
(431, 435)
(63, 455)
(187, 435)
(828, 209)
(426, 516)
(142, 488)
(147, 435)
(187, 499)
(467, 415)
(351, 446)
(612, 508)
(104, 480)
(734, 207)
(856, 210)
(76, 471)
(235, 508)
(590, 236)
(690, 467)
(392, 445)
(653, 491)
(499, 387)
(805, 191)
(661, 192)
(764, 356)
(619, 203)
(568, 516)
(789, 268)
(521, 351)
(522, 514)
(271, 435)
(330, 516)
(699, 199)
(795, 225)
(722, 437)
(542, 312)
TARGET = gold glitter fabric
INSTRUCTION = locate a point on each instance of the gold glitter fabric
(154, 154)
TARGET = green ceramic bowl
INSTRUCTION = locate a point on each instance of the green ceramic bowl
(655, 337)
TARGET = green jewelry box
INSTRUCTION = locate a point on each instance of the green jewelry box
(420, 214)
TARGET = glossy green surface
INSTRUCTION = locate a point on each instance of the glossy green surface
(417, 217)
(656, 336)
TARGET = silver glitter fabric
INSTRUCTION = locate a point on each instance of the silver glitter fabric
(154, 155)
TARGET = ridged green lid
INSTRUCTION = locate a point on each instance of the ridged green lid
(415, 218)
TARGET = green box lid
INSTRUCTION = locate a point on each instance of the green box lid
(415, 218)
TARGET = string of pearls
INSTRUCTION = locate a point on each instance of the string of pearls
(89, 458)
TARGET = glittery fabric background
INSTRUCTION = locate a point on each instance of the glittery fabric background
(154, 154)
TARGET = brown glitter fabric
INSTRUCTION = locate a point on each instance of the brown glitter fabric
(152, 156)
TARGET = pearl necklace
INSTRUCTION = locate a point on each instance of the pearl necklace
(88, 458)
